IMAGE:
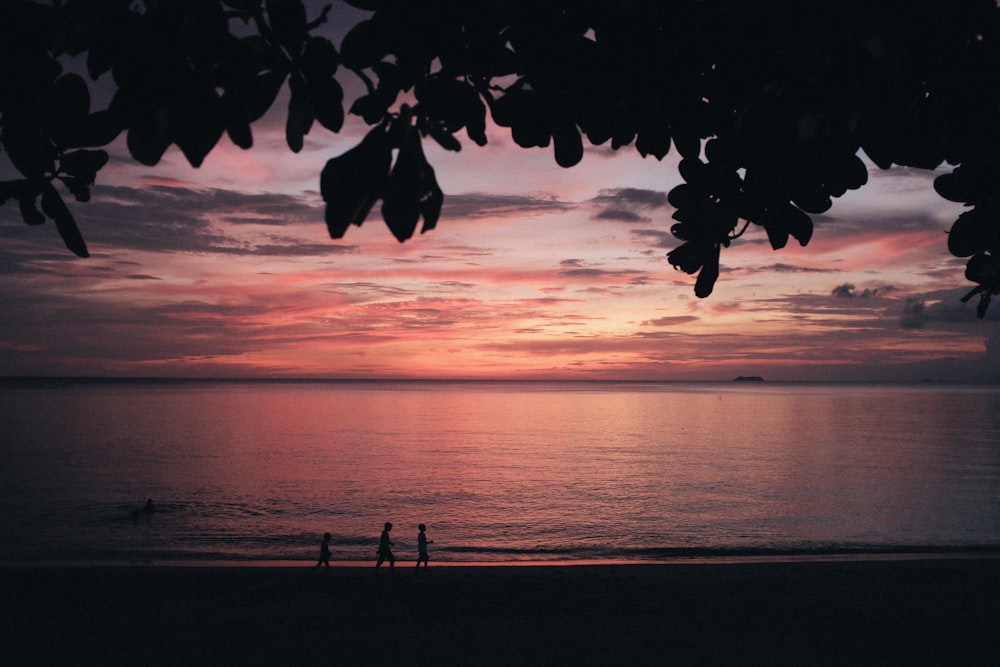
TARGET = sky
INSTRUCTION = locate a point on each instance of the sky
(533, 272)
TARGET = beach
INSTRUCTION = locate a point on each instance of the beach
(920, 610)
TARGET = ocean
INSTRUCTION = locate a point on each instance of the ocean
(256, 472)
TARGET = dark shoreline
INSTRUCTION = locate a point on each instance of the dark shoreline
(672, 556)
(896, 611)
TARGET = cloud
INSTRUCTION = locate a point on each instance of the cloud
(944, 309)
(993, 348)
(621, 214)
(635, 197)
(626, 204)
(291, 248)
(912, 316)
(32, 252)
(905, 180)
(161, 217)
(782, 267)
(847, 291)
(577, 269)
(660, 238)
(485, 205)
(671, 321)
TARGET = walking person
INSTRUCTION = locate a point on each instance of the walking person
(324, 554)
(385, 549)
(422, 543)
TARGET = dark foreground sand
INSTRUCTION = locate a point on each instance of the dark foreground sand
(935, 612)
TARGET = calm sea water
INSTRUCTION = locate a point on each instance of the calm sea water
(497, 471)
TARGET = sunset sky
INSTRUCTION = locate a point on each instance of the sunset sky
(533, 272)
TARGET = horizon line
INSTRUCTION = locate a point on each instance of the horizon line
(482, 380)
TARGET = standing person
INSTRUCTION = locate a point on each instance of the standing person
(385, 549)
(422, 543)
(324, 554)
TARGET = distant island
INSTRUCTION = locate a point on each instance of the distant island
(748, 378)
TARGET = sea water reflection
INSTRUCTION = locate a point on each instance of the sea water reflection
(497, 470)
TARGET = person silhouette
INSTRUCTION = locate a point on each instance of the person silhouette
(422, 543)
(385, 549)
(324, 554)
(148, 509)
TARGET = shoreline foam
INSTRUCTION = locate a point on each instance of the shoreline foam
(697, 556)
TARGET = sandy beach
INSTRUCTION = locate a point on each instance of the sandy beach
(937, 611)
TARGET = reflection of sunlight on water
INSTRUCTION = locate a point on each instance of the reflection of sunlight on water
(505, 472)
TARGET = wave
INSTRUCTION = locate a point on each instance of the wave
(276, 553)
(678, 553)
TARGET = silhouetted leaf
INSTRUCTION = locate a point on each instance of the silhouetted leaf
(27, 202)
(450, 100)
(243, 5)
(476, 128)
(709, 273)
(68, 109)
(370, 107)
(412, 191)
(653, 140)
(788, 95)
(688, 145)
(360, 48)
(985, 270)
(798, 223)
(78, 170)
(100, 59)
(390, 80)
(10, 189)
(351, 183)
(240, 133)
(813, 202)
(855, 173)
(300, 114)
(98, 129)
(432, 201)
(693, 171)
(523, 112)
(197, 123)
(30, 151)
(319, 64)
(369, 5)
(83, 164)
(79, 189)
(689, 257)
(506, 108)
(568, 145)
(55, 208)
(531, 131)
(327, 103)
(444, 138)
(148, 139)
(984, 304)
(265, 90)
(288, 22)
(973, 232)
(684, 196)
(319, 59)
(880, 150)
(721, 153)
(777, 234)
(961, 185)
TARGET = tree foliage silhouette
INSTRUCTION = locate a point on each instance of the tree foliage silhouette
(770, 105)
